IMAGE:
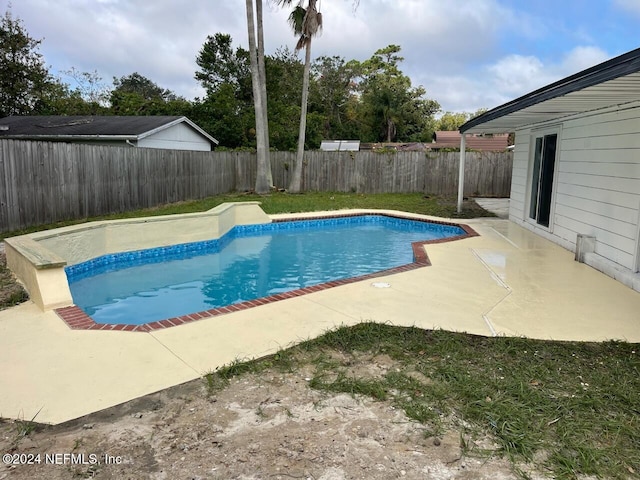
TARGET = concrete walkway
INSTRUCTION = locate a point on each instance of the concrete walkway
(507, 281)
(498, 206)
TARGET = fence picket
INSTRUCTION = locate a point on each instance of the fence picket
(42, 182)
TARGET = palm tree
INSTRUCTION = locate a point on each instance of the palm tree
(263, 87)
(306, 22)
(263, 182)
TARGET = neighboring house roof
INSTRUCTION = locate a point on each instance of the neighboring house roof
(398, 146)
(56, 127)
(447, 139)
(413, 147)
(614, 82)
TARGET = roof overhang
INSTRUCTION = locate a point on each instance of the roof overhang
(613, 83)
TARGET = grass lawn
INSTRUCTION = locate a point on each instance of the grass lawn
(563, 409)
(307, 202)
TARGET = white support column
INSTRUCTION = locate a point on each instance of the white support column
(463, 147)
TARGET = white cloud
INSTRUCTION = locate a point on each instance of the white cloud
(455, 49)
(515, 74)
(457, 93)
(581, 58)
(438, 40)
(161, 39)
(632, 6)
(507, 78)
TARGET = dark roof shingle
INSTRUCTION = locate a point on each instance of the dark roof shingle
(55, 125)
(452, 139)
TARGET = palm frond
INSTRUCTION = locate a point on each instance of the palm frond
(305, 22)
(296, 19)
(302, 42)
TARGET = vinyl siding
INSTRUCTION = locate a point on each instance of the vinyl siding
(177, 137)
(597, 183)
(519, 174)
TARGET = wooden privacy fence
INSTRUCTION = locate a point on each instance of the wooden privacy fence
(486, 173)
(43, 182)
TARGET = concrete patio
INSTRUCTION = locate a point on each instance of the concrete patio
(507, 281)
(497, 206)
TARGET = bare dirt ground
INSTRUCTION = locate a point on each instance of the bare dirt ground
(11, 293)
(271, 426)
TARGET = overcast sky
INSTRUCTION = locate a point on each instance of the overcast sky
(467, 54)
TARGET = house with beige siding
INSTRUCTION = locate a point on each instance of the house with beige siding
(576, 171)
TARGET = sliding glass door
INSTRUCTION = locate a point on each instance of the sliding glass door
(544, 161)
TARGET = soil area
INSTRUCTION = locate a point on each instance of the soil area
(271, 426)
(11, 292)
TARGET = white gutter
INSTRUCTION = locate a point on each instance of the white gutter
(463, 153)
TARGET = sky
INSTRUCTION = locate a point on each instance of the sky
(467, 54)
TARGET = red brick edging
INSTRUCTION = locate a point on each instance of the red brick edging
(77, 319)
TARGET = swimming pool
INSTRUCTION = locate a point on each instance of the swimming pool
(248, 263)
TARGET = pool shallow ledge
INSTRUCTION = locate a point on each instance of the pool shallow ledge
(38, 259)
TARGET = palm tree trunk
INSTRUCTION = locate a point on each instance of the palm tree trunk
(263, 86)
(262, 179)
(295, 186)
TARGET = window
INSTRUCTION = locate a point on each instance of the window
(544, 160)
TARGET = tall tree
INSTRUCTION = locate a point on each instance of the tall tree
(396, 110)
(89, 86)
(263, 86)
(220, 64)
(227, 110)
(136, 94)
(146, 88)
(62, 100)
(224, 116)
(263, 183)
(284, 84)
(306, 22)
(450, 121)
(333, 95)
(25, 81)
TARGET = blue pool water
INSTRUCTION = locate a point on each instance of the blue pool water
(249, 262)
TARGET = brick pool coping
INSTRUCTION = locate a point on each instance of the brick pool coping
(77, 319)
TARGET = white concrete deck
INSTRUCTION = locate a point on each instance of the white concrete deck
(507, 281)
(498, 206)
